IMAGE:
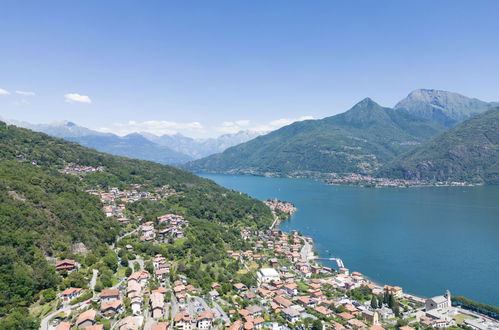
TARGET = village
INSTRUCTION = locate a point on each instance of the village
(370, 181)
(281, 284)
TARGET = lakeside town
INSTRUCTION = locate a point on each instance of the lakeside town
(370, 181)
(275, 282)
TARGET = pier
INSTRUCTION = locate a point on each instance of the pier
(339, 262)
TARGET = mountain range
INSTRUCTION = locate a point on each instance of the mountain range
(362, 140)
(165, 149)
(445, 108)
(469, 152)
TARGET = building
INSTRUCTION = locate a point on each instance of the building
(267, 275)
(291, 314)
(371, 317)
(70, 293)
(86, 318)
(113, 307)
(439, 302)
(182, 321)
(66, 264)
(63, 326)
(109, 295)
(205, 319)
(157, 303)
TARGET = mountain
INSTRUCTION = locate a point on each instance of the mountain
(133, 145)
(43, 212)
(359, 140)
(199, 148)
(445, 108)
(467, 152)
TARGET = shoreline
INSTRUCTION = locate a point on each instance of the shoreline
(362, 181)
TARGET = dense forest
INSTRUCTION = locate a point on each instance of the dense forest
(43, 212)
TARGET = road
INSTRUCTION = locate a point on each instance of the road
(275, 221)
(95, 272)
(221, 313)
(45, 322)
(124, 235)
(306, 251)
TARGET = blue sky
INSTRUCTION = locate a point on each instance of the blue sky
(207, 67)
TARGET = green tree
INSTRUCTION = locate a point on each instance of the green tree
(128, 271)
(317, 325)
(374, 302)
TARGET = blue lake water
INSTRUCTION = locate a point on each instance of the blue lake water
(425, 240)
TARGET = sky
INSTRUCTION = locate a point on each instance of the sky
(203, 68)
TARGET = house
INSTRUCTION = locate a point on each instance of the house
(205, 319)
(113, 307)
(66, 264)
(344, 271)
(396, 291)
(124, 221)
(254, 310)
(108, 295)
(258, 322)
(136, 305)
(161, 326)
(306, 301)
(282, 302)
(324, 311)
(94, 327)
(291, 314)
(291, 289)
(213, 294)
(63, 326)
(157, 302)
(182, 321)
(357, 324)
(346, 316)
(240, 287)
(128, 323)
(267, 275)
(238, 325)
(70, 293)
(140, 277)
(86, 318)
(133, 288)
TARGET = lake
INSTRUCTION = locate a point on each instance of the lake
(425, 240)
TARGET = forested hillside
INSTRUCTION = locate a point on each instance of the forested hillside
(43, 212)
(359, 141)
(468, 152)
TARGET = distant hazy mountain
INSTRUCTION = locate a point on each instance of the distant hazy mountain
(198, 148)
(133, 145)
(359, 140)
(443, 107)
(165, 149)
(467, 152)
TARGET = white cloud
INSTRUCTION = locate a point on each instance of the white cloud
(242, 122)
(25, 93)
(4, 92)
(157, 127)
(231, 127)
(75, 97)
